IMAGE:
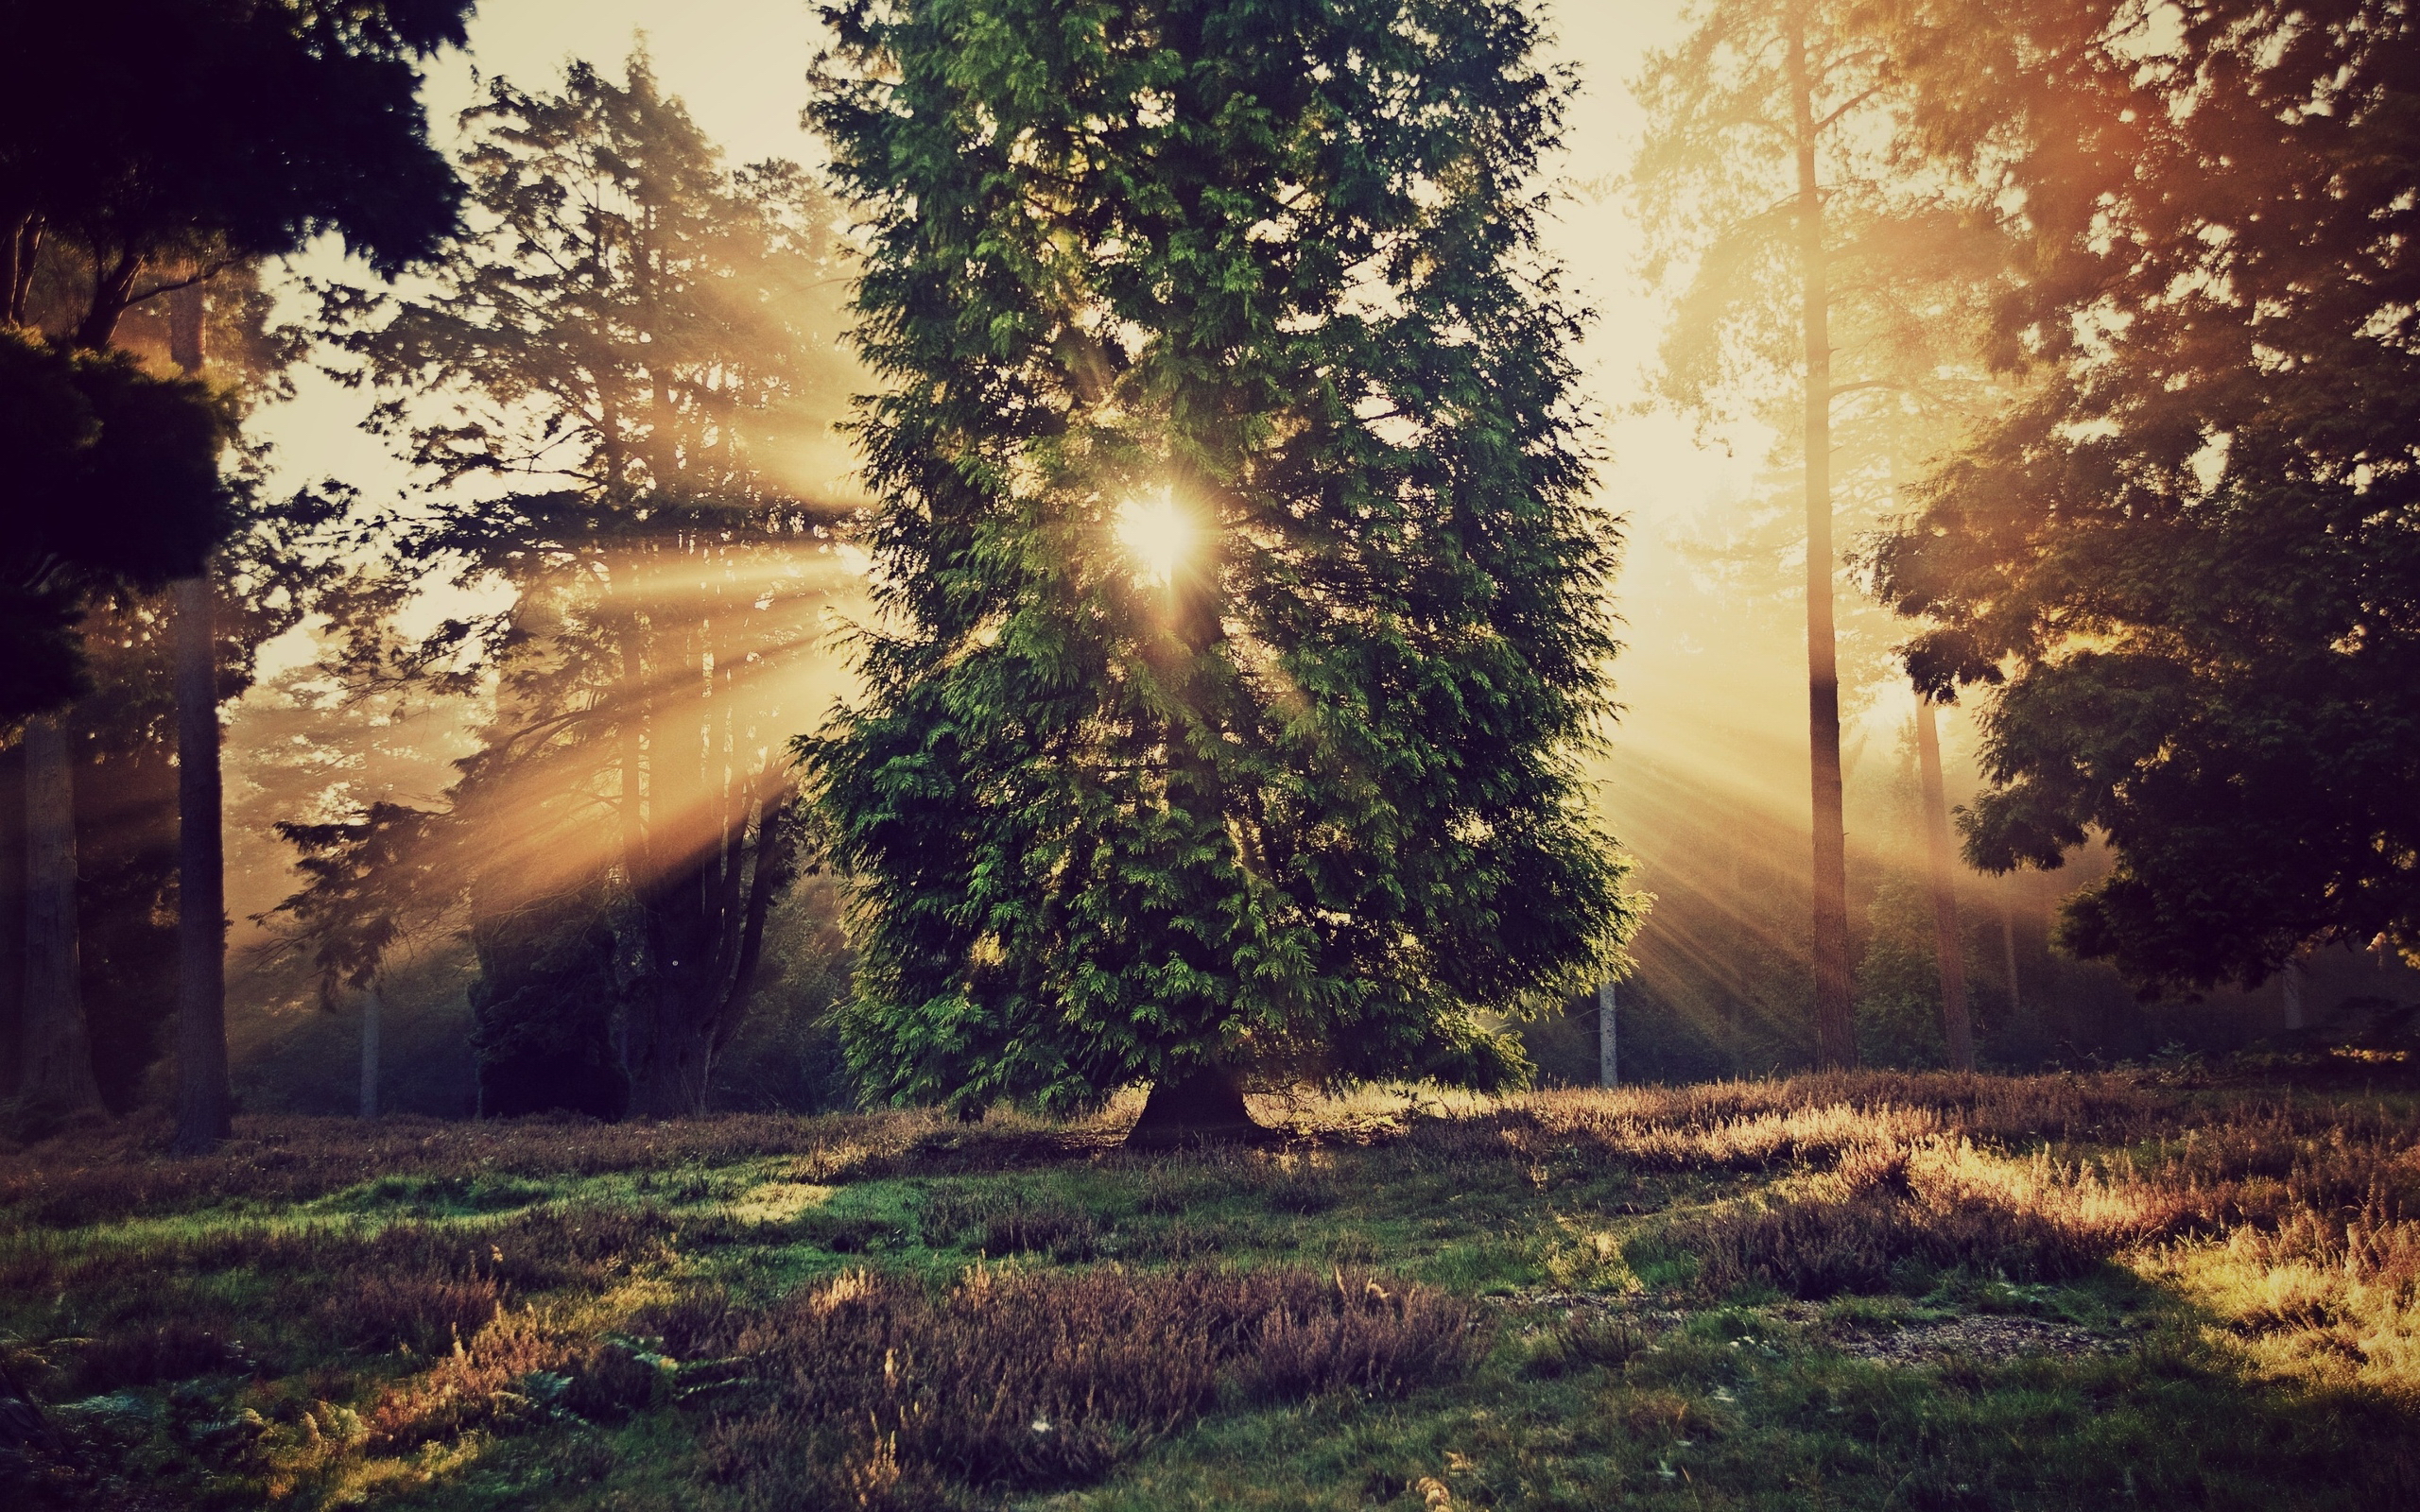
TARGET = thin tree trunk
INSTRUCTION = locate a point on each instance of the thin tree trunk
(23, 231)
(1948, 948)
(1834, 1041)
(203, 1098)
(373, 1010)
(2290, 990)
(1609, 1065)
(2007, 951)
(56, 1071)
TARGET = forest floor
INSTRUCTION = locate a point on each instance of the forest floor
(1870, 1290)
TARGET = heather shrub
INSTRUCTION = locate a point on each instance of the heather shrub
(877, 1392)
(148, 1356)
(1009, 1223)
(1583, 1343)
(377, 1309)
(1888, 1209)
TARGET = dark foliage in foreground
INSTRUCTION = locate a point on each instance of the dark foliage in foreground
(2189, 552)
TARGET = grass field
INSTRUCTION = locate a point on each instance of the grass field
(1874, 1292)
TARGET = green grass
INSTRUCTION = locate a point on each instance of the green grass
(1859, 1292)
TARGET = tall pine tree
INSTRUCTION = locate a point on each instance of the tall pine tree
(1243, 612)
(1828, 294)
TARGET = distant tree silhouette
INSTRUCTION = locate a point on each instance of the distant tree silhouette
(160, 143)
(643, 345)
(2184, 572)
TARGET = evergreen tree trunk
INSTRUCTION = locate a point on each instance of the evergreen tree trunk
(1835, 1042)
(203, 1098)
(56, 1059)
(12, 919)
(373, 1010)
(1204, 1106)
(1948, 948)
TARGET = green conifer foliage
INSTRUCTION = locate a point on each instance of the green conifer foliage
(1299, 798)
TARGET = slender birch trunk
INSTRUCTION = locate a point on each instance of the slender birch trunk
(1834, 1041)
(1949, 950)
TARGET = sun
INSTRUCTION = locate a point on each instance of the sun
(1156, 533)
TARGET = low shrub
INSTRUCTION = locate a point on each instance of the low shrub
(379, 1310)
(1008, 1222)
(875, 1392)
(1888, 1212)
(175, 1350)
(1584, 1343)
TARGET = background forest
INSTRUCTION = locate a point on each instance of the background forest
(986, 754)
(573, 524)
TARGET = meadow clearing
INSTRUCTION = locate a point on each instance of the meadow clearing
(1875, 1290)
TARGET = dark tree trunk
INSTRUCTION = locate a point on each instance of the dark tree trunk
(1835, 1039)
(56, 1066)
(705, 935)
(12, 919)
(1958, 1026)
(1203, 1107)
(22, 231)
(113, 290)
(372, 1010)
(202, 1099)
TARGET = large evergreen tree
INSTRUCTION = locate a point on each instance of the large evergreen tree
(2189, 560)
(1243, 613)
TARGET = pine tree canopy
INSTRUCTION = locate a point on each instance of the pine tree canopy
(2191, 554)
(1241, 609)
(138, 456)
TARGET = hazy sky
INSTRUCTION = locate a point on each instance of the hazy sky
(740, 66)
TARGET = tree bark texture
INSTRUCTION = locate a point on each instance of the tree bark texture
(1834, 1041)
(1949, 951)
(203, 1098)
(12, 917)
(56, 1065)
(1203, 1107)
(2007, 951)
